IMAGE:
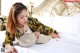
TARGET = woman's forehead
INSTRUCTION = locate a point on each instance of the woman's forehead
(24, 12)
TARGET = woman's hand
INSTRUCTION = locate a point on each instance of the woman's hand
(11, 49)
(36, 34)
(54, 35)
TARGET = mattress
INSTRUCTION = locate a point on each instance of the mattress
(69, 41)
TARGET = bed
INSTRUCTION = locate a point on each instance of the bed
(68, 28)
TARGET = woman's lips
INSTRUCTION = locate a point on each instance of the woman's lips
(25, 22)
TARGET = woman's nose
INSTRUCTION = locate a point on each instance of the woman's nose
(25, 19)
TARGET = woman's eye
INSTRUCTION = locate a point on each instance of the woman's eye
(21, 17)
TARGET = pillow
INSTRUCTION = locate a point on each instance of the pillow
(68, 24)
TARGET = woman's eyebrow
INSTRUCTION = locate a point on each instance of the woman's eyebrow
(21, 15)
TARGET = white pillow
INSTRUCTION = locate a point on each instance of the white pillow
(67, 24)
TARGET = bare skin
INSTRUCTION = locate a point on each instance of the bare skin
(11, 49)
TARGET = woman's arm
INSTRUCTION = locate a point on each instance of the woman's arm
(9, 39)
(9, 42)
(45, 29)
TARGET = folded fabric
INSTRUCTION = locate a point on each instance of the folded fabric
(29, 39)
(43, 38)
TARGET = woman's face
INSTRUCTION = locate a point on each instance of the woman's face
(22, 17)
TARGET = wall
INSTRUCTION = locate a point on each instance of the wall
(6, 5)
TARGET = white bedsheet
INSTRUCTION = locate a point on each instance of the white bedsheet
(52, 46)
(62, 45)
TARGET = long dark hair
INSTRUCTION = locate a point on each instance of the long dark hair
(12, 18)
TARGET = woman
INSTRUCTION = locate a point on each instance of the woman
(17, 19)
